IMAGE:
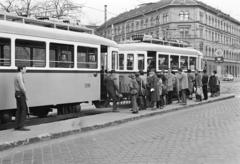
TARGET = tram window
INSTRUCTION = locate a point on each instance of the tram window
(184, 62)
(121, 61)
(193, 63)
(174, 61)
(141, 63)
(163, 62)
(130, 60)
(114, 55)
(61, 55)
(87, 57)
(30, 53)
(5, 52)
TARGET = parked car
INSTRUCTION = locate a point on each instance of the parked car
(228, 77)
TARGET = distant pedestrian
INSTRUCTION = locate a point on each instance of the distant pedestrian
(134, 88)
(141, 92)
(153, 85)
(160, 90)
(21, 98)
(198, 81)
(205, 84)
(191, 80)
(169, 83)
(213, 80)
(183, 85)
(112, 89)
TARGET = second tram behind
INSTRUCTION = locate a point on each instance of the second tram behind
(133, 57)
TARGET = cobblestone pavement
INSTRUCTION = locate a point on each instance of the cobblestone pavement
(232, 87)
(207, 134)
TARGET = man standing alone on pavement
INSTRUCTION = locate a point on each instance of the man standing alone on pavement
(21, 98)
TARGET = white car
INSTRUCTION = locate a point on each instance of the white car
(228, 77)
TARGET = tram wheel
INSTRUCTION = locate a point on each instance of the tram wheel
(40, 112)
(5, 117)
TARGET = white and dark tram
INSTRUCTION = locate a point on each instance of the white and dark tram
(133, 57)
(63, 67)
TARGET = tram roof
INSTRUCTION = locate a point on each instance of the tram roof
(159, 48)
(51, 33)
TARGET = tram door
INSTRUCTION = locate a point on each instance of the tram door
(151, 60)
(104, 67)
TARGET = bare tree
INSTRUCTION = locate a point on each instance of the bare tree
(7, 5)
(25, 7)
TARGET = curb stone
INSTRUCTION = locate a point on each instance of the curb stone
(49, 136)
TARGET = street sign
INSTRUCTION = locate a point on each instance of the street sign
(219, 59)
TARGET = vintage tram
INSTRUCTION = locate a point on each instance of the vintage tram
(63, 67)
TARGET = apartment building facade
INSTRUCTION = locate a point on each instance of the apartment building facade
(205, 28)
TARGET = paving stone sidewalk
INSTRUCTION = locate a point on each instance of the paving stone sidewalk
(10, 138)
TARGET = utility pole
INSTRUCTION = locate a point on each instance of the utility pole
(105, 13)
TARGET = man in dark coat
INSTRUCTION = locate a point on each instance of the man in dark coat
(213, 83)
(205, 84)
(154, 90)
(112, 89)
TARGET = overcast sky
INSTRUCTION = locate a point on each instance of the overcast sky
(93, 12)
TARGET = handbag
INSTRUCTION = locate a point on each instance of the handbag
(199, 91)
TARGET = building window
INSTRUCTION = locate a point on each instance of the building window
(165, 17)
(184, 32)
(157, 20)
(137, 25)
(146, 22)
(142, 24)
(152, 21)
(5, 52)
(30, 53)
(201, 32)
(184, 15)
(201, 16)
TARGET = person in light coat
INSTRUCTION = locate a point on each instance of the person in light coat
(191, 79)
(183, 84)
(170, 81)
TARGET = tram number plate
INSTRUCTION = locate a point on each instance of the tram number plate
(87, 85)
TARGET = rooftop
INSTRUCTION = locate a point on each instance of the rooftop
(150, 7)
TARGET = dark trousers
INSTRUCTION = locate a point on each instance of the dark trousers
(134, 102)
(161, 101)
(141, 100)
(169, 97)
(21, 109)
(183, 94)
(205, 92)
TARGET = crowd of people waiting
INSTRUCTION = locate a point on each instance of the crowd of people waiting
(156, 90)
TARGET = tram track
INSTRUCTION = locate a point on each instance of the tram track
(53, 118)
